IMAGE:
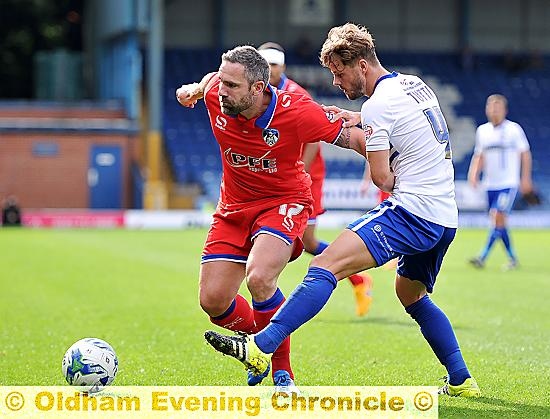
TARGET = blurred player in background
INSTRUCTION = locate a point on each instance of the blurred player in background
(265, 197)
(502, 154)
(315, 166)
(409, 155)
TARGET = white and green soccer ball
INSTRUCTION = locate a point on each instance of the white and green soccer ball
(90, 363)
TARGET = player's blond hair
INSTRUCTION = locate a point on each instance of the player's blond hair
(350, 42)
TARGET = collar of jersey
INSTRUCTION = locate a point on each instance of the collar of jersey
(281, 84)
(264, 119)
(385, 76)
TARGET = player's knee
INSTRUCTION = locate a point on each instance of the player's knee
(409, 292)
(320, 261)
(256, 279)
(260, 282)
(213, 305)
(403, 299)
(500, 220)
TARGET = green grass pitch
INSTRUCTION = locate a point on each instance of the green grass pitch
(138, 291)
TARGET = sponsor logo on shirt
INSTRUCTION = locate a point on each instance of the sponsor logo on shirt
(285, 101)
(221, 122)
(254, 164)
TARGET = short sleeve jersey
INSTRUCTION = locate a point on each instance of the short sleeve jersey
(261, 156)
(317, 167)
(501, 147)
(404, 117)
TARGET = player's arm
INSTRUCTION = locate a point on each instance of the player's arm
(378, 167)
(475, 169)
(189, 94)
(352, 138)
(476, 164)
(526, 184)
(309, 153)
(314, 125)
(380, 172)
(366, 181)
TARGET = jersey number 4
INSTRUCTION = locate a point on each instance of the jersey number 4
(439, 128)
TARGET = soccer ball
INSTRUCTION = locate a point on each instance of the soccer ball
(90, 363)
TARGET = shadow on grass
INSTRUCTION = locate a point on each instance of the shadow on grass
(486, 407)
(382, 321)
(370, 320)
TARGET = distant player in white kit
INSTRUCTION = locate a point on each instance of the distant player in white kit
(502, 154)
(409, 154)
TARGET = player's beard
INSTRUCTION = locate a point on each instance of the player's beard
(356, 90)
(235, 108)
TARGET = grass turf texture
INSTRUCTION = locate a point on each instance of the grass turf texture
(138, 291)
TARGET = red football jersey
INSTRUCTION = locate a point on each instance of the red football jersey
(317, 167)
(261, 156)
(291, 86)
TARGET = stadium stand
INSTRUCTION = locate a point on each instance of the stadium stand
(194, 154)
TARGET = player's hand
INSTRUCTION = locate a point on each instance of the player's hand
(526, 186)
(186, 95)
(350, 118)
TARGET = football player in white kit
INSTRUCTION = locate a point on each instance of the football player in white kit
(502, 154)
(408, 149)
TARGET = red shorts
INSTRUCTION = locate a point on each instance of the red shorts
(317, 193)
(232, 233)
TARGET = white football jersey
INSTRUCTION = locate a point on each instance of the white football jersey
(501, 147)
(404, 117)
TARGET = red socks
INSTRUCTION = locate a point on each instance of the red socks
(238, 317)
(241, 317)
(281, 357)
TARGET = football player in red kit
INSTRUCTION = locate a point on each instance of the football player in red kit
(315, 166)
(265, 197)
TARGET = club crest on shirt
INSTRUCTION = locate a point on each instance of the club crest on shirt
(271, 136)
